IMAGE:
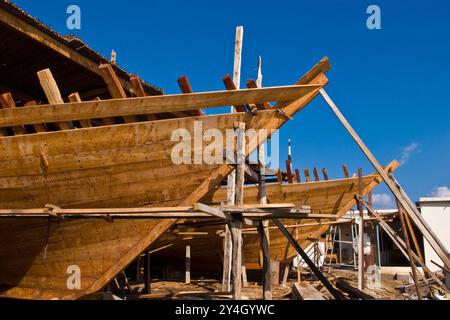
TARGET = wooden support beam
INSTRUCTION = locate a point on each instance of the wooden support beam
(251, 84)
(400, 243)
(147, 273)
(140, 92)
(361, 266)
(345, 170)
(307, 176)
(53, 95)
(280, 176)
(215, 212)
(7, 102)
(264, 241)
(316, 175)
(236, 268)
(289, 172)
(38, 127)
(229, 85)
(188, 265)
(75, 97)
(412, 263)
(325, 174)
(146, 105)
(308, 261)
(395, 188)
(114, 87)
(227, 257)
(186, 88)
(297, 176)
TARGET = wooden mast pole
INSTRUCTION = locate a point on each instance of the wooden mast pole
(360, 236)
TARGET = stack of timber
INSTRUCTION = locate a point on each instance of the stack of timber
(89, 151)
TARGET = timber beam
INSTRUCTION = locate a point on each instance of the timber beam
(145, 105)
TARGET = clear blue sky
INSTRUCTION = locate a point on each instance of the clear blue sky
(391, 84)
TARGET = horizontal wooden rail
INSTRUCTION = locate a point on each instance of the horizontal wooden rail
(145, 105)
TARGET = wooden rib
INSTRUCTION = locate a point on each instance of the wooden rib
(186, 88)
(114, 87)
(229, 85)
(140, 92)
(7, 102)
(345, 170)
(307, 176)
(297, 176)
(53, 95)
(38, 127)
(316, 175)
(75, 97)
(280, 176)
(251, 84)
(289, 171)
(153, 104)
(325, 174)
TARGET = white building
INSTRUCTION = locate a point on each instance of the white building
(436, 212)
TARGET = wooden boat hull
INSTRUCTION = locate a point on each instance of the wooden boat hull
(125, 165)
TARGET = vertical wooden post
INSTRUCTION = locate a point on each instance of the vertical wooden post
(236, 267)
(236, 224)
(147, 274)
(286, 274)
(227, 256)
(231, 189)
(188, 265)
(360, 235)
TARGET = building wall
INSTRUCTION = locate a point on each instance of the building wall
(436, 212)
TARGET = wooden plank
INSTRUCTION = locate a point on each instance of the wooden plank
(114, 87)
(75, 97)
(351, 291)
(414, 214)
(280, 176)
(186, 88)
(7, 102)
(305, 291)
(53, 95)
(146, 105)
